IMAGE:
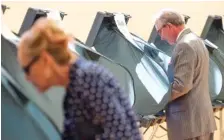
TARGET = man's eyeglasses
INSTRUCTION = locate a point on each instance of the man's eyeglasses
(26, 69)
(160, 30)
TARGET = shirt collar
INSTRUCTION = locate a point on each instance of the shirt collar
(181, 33)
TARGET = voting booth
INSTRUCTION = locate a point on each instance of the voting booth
(109, 36)
(213, 34)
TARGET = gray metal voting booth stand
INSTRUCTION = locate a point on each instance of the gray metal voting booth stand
(121, 51)
(50, 103)
(213, 34)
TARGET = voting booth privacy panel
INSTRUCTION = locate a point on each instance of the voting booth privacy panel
(213, 34)
(109, 36)
(50, 103)
(21, 118)
(216, 70)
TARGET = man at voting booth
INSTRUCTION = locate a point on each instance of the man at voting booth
(189, 112)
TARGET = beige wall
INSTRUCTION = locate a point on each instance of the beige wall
(81, 14)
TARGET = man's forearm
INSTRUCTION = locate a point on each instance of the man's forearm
(177, 91)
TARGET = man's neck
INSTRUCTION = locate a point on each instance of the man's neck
(180, 29)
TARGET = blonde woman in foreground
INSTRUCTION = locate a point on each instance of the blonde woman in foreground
(95, 106)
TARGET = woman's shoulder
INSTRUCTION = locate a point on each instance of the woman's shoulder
(84, 67)
(89, 73)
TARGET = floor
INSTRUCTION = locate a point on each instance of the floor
(162, 134)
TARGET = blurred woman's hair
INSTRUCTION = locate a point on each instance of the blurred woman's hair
(46, 35)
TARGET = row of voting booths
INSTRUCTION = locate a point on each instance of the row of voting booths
(140, 66)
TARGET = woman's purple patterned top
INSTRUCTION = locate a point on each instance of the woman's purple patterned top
(95, 100)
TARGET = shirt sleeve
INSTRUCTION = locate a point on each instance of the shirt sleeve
(112, 108)
(184, 64)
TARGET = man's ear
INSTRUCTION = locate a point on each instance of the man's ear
(169, 25)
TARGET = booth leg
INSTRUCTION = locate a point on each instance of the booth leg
(146, 130)
(221, 125)
(154, 131)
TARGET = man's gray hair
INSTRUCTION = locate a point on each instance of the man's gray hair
(170, 16)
